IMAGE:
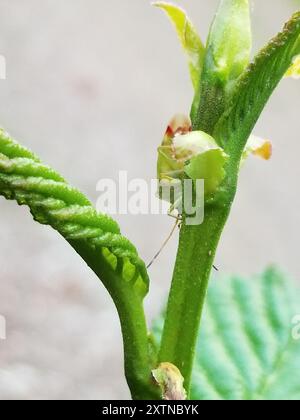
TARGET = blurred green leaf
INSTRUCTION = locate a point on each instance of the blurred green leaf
(188, 37)
(246, 348)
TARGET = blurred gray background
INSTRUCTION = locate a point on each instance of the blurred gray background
(90, 87)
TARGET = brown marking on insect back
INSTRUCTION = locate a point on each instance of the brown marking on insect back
(169, 132)
(180, 124)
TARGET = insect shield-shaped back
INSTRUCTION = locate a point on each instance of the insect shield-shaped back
(187, 154)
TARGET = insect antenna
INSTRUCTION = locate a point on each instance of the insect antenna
(177, 223)
(165, 243)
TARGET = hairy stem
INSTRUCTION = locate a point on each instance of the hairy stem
(196, 252)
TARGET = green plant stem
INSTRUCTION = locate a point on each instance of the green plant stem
(196, 252)
(133, 324)
(194, 261)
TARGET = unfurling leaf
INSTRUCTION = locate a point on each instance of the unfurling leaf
(294, 70)
(52, 201)
(248, 346)
(188, 37)
(227, 55)
(229, 43)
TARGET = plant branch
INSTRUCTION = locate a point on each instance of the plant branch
(96, 237)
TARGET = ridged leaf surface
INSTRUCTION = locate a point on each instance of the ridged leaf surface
(52, 201)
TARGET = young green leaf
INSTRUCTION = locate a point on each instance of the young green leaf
(254, 89)
(230, 40)
(227, 55)
(188, 37)
(248, 347)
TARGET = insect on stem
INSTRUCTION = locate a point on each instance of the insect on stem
(177, 223)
